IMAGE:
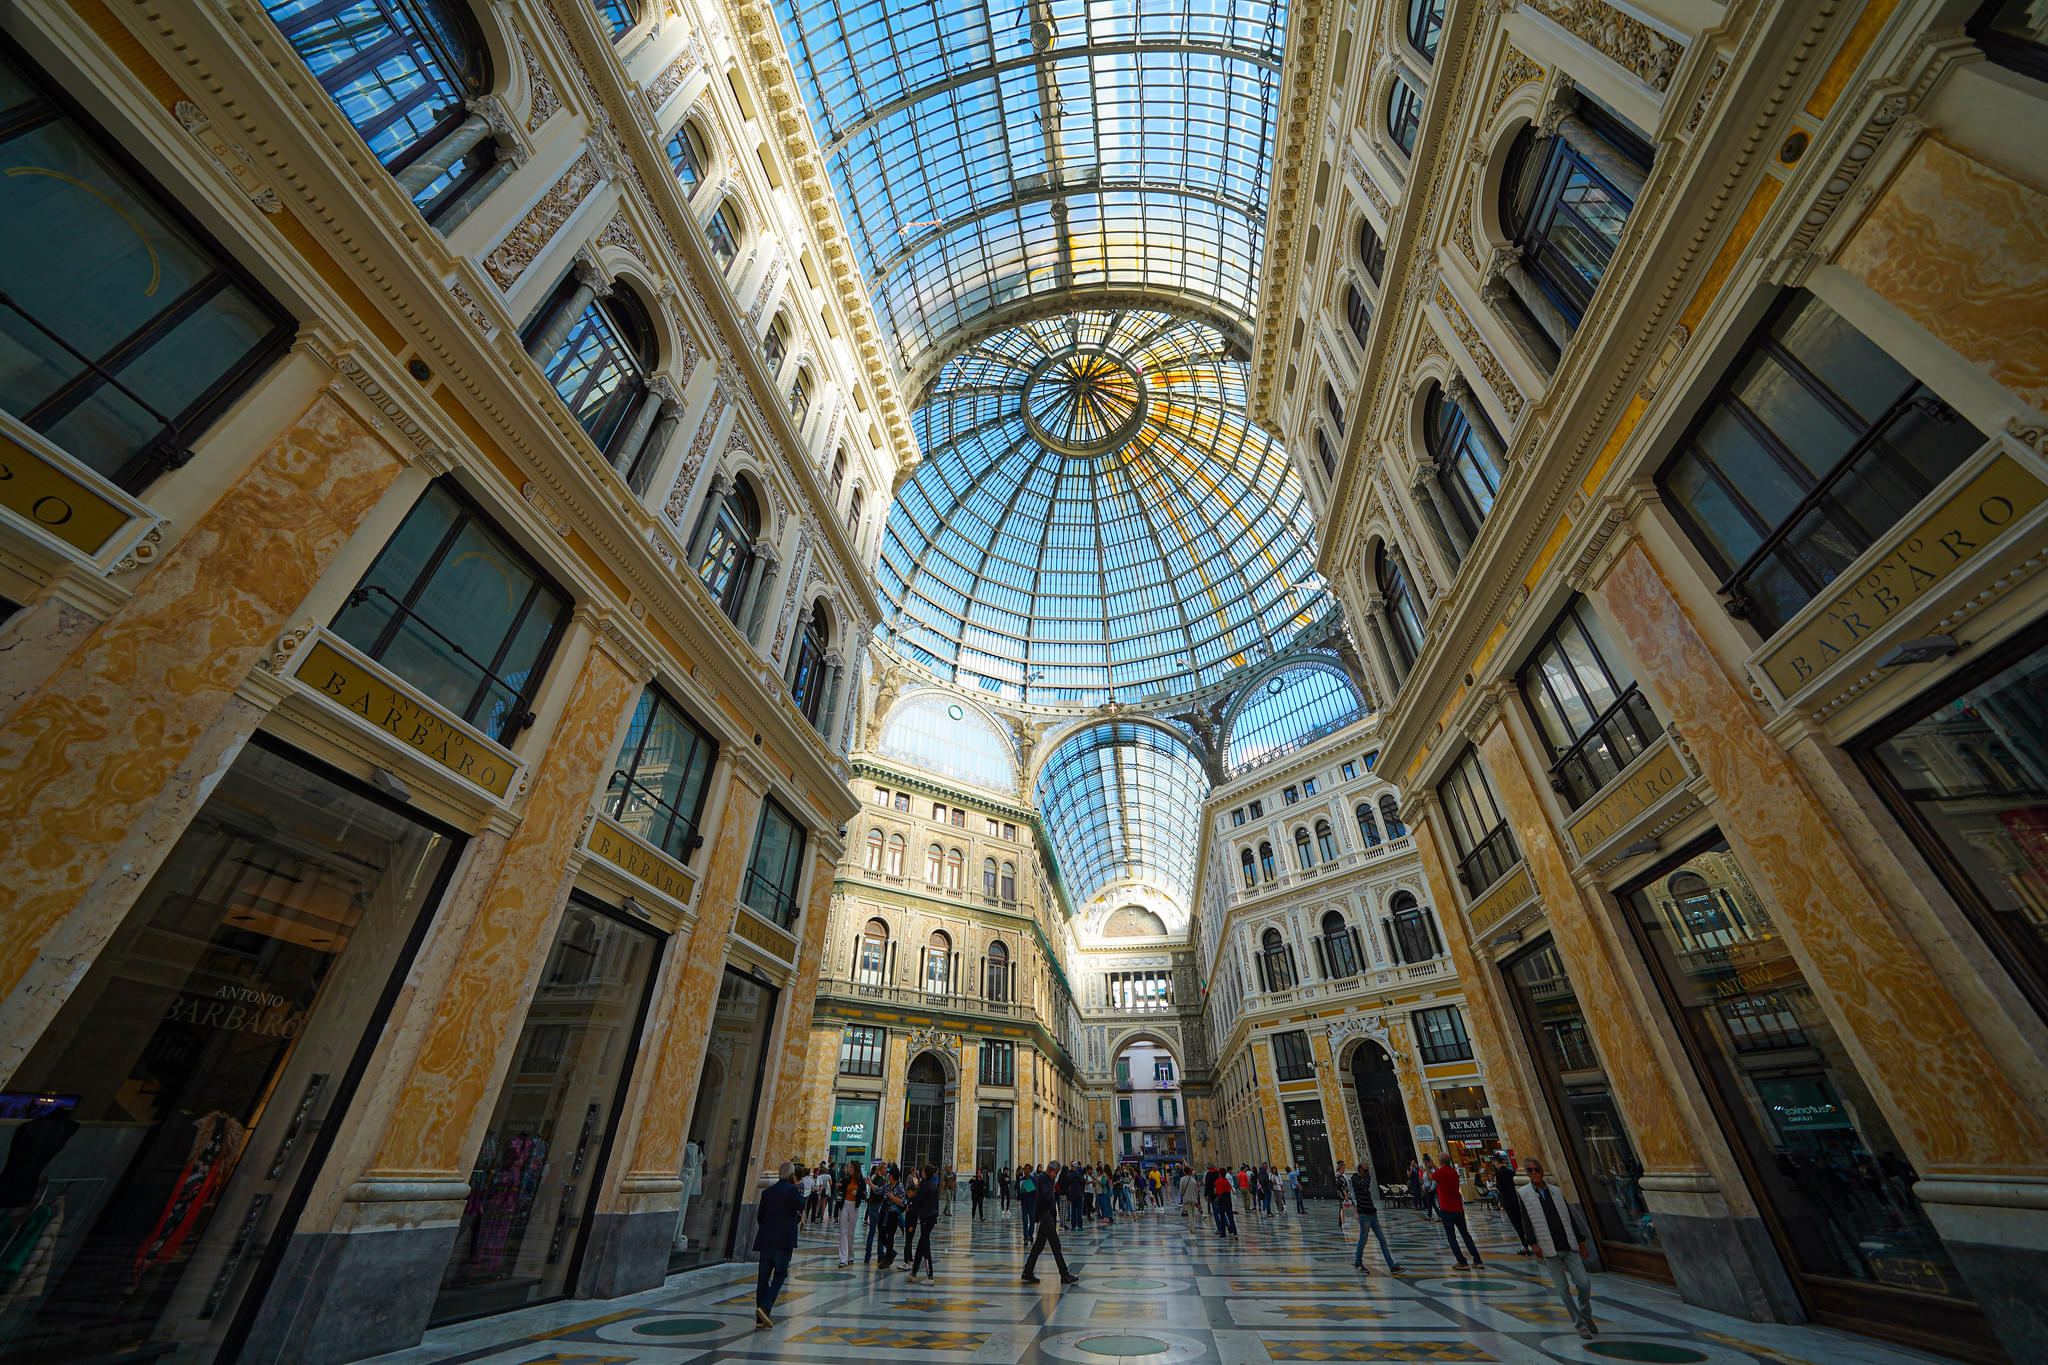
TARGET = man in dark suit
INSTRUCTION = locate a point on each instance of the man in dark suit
(782, 1209)
(1043, 1185)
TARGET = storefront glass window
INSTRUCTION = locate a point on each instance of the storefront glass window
(165, 1118)
(992, 1140)
(1819, 1151)
(853, 1130)
(1968, 774)
(1581, 1101)
(716, 1160)
(538, 1169)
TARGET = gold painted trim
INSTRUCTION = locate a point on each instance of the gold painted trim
(618, 846)
(1508, 895)
(377, 700)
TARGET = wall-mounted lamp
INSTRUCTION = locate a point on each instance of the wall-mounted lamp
(1641, 846)
(1507, 940)
(1924, 650)
(386, 781)
(633, 907)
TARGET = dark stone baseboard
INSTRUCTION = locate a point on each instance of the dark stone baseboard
(2007, 1281)
(1729, 1265)
(339, 1296)
(625, 1253)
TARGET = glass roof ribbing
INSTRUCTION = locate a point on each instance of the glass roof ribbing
(1095, 518)
(991, 152)
(1123, 801)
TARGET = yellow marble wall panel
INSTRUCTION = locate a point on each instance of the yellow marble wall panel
(680, 1064)
(1861, 35)
(1962, 249)
(1944, 1094)
(1414, 1095)
(1760, 201)
(1336, 1113)
(1275, 1132)
(480, 1012)
(1659, 1133)
(1489, 1019)
(967, 1108)
(783, 1101)
(821, 1076)
(98, 742)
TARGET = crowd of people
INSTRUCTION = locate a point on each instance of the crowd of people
(877, 1204)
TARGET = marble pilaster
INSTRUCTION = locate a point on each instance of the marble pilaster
(1273, 1127)
(781, 1100)
(1336, 1114)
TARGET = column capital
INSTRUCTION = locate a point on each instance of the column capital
(1459, 390)
(664, 390)
(591, 276)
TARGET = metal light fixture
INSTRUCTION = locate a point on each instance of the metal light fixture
(1641, 846)
(386, 781)
(1924, 650)
(1507, 940)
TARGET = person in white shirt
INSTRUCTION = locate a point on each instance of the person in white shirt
(1554, 1230)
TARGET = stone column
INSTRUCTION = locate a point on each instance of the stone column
(803, 618)
(1275, 1122)
(966, 1112)
(104, 763)
(1442, 519)
(1460, 391)
(895, 1075)
(707, 517)
(625, 453)
(828, 711)
(591, 285)
(434, 162)
(648, 456)
(767, 566)
(1975, 1140)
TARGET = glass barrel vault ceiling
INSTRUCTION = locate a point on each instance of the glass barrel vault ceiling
(1095, 519)
(1122, 801)
(993, 152)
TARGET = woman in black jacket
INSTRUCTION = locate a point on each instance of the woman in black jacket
(923, 1215)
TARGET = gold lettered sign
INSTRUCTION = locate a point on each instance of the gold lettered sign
(1650, 779)
(640, 860)
(1510, 895)
(364, 691)
(1946, 539)
(36, 489)
(762, 934)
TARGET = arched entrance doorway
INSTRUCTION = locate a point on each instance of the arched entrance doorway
(1389, 1139)
(924, 1112)
(1151, 1128)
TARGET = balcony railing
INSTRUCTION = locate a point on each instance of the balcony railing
(913, 997)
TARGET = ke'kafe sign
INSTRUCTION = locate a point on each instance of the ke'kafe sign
(1916, 562)
(1470, 1130)
(366, 692)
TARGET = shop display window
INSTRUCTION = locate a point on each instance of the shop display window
(161, 1134)
(1582, 1104)
(716, 1159)
(1817, 1149)
(776, 869)
(663, 776)
(535, 1176)
(1966, 771)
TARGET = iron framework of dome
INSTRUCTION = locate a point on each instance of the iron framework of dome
(1095, 518)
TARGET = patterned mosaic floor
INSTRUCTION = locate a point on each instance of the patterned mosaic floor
(1150, 1294)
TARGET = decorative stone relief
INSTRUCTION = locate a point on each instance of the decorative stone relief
(233, 160)
(1490, 368)
(768, 283)
(693, 460)
(1517, 69)
(1708, 90)
(619, 233)
(533, 232)
(470, 308)
(672, 76)
(1621, 38)
(799, 565)
(543, 101)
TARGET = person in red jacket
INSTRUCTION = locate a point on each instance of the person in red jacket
(1450, 1206)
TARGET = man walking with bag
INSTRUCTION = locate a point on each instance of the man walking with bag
(1555, 1231)
(1043, 1186)
(782, 1208)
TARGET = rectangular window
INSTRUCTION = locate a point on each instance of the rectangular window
(938, 813)
(126, 330)
(1350, 772)
(861, 1049)
(1169, 1113)
(1308, 786)
(1257, 808)
(1486, 850)
(1010, 832)
(998, 1063)
(959, 818)
(1237, 816)
(881, 796)
(1123, 1114)
(1440, 1034)
(1291, 795)
(663, 775)
(1292, 1058)
(1162, 1071)
(1815, 444)
(994, 829)
(1372, 760)
(460, 612)
(1593, 718)
(776, 869)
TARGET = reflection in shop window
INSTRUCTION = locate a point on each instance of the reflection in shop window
(663, 777)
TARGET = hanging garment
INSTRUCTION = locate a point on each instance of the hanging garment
(214, 1149)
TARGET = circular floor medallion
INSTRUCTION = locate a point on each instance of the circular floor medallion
(824, 1275)
(677, 1327)
(1133, 1284)
(1123, 1346)
(1649, 1352)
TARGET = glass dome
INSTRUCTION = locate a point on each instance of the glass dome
(1095, 518)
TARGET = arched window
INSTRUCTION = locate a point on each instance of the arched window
(1339, 949)
(853, 509)
(1266, 860)
(618, 16)
(107, 295)
(600, 369)
(690, 156)
(988, 878)
(955, 865)
(895, 855)
(838, 472)
(1390, 815)
(938, 963)
(1357, 313)
(402, 72)
(1251, 876)
(800, 399)
(1325, 454)
(1334, 406)
(1404, 114)
(1565, 199)
(997, 987)
(1010, 882)
(1469, 472)
(807, 685)
(1367, 830)
(1302, 856)
(1410, 933)
(871, 953)
(775, 343)
(934, 864)
(725, 229)
(1277, 961)
(1372, 252)
(1403, 620)
(1326, 841)
(1426, 25)
(1287, 710)
(874, 850)
(729, 552)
